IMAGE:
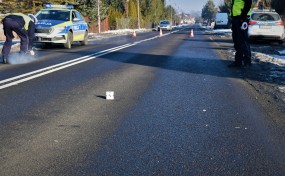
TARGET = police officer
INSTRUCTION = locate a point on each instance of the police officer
(240, 12)
(24, 26)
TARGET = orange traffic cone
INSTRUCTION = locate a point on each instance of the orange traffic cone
(134, 34)
(160, 33)
(192, 33)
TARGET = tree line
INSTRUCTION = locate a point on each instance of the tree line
(149, 11)
(209, 10)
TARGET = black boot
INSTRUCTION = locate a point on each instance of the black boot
(235, 65)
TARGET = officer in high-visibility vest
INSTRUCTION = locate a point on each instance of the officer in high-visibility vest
(240, 12)
(24, 26)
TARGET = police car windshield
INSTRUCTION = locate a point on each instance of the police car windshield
(62, 15)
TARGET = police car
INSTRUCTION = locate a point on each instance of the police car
(266, 24)
(60, 24)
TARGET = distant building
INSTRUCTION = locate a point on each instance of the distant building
(186, 18)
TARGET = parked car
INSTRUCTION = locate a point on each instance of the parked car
(60, 24)
(164, 25)
(266, 25)
(222, 21)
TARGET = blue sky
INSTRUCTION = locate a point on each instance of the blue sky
(190, 5)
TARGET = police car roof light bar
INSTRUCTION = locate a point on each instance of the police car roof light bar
(49, 6)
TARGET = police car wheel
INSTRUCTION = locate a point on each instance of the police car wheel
(85, 41)
(67, 45)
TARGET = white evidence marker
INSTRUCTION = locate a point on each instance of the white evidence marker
(110, 95)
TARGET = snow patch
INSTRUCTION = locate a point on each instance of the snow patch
(274, 59)
(282, 53)
(222, 31)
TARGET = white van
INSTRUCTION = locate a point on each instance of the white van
(222, 21)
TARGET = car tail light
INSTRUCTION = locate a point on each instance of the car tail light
(281, 23)
(252, 22)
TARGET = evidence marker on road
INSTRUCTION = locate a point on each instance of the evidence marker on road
(110, 95)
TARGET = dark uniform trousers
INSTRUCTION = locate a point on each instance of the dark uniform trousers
(241, 44)
(10, 25)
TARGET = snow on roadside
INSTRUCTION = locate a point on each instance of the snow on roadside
(282, 53)
(277, 69)
(276, 66)
(222, 31)
(123, 31)
(272, 58)
(111, 33)
(273, 67)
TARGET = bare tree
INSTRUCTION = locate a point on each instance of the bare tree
(278, 5)
(127, 8)
(263, 4)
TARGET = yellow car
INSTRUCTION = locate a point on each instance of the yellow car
(60, 24)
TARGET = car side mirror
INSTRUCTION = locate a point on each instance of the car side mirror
(76, 19)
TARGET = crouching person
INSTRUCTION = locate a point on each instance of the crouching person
(24, 26)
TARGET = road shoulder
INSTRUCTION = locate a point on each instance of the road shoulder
(265, 80)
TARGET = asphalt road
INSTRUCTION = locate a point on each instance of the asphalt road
(178, 110)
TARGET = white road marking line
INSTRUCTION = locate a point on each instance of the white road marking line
(44, 71)
(66, 63)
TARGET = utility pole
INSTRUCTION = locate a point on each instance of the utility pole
(171, 20)
(171, 14)
(99, 19)
(139, 26)
(155, 12)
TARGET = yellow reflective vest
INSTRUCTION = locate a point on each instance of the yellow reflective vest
(237, 7)
(26, 18)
